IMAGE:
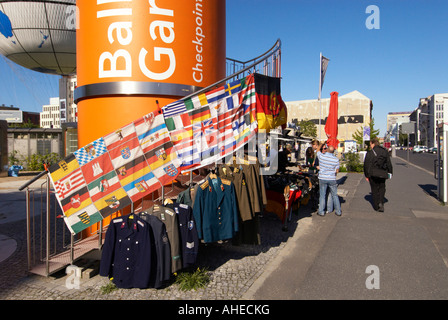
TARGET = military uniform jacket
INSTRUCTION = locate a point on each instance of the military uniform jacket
(188, 233)
(169, 218)
(126, 253)
(241, 190)
(215, 210)
(160, 252)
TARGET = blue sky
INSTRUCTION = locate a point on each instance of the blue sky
(396, 65)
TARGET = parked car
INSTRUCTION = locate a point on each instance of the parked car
(432, 150)
(419, 149)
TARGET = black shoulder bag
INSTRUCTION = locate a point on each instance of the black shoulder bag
(376, 171)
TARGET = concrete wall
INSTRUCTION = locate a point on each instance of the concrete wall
(34, 141)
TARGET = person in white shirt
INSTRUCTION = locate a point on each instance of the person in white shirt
(328, 168)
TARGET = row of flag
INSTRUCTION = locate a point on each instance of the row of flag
(110, 173)
(134, 161)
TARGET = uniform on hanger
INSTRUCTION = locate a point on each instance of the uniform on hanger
(215, 210)
(169, 218)
(188, 233)
(126, 253)
(160, 251)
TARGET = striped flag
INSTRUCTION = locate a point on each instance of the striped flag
(158, 148)
(76, 201)
(271, 110)
(64, 167)
(83, 219)
(144, 183)
(113, 202)
(103, 185)
(221, 121)
(69, 184)
(125, 152)
(120, 136)
(113, 171)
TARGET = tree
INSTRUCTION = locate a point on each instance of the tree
(358, 135)
(308, 128)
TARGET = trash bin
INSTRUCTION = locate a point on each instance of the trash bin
(13, 171)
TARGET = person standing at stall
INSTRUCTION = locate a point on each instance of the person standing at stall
(328, 168)
(311, 157)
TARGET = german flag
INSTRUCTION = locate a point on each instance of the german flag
(113, 202)
(271, 110)
(200, 114)
(130, 171)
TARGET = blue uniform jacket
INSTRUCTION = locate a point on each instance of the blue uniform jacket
(160, 252)
(188, 233)
(215, 210)
(126, 253)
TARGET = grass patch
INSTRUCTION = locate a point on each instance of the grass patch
(108, 288)
(193, 280)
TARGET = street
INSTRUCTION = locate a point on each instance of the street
(423, 160)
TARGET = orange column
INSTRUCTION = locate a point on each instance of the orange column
(134, 56)
(131, 53)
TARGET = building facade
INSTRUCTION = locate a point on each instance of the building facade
(394, 121)
(354, 113)
(430, 113)
(67, 105)
(50, 117)
(14, 116)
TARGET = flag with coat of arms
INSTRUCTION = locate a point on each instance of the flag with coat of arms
(113, 171)
(210, 126)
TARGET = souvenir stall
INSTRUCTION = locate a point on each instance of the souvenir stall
(286, 192)
(185, 174)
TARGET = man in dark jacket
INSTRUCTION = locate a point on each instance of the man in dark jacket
(377, 167)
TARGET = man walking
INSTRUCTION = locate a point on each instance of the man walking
(328, 168)
(377, 167)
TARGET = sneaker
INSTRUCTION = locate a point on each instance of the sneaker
(321, 214)
(380, 207)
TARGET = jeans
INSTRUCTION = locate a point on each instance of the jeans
(323, 185)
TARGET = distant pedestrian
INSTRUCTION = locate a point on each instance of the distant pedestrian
(311, 162)
(310, 155)
(377, 168)
(328, 168)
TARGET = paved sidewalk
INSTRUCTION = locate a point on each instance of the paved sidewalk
(233, 269)
(332, 258)
(317, 258)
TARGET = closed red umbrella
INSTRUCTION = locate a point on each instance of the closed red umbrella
(331, 126)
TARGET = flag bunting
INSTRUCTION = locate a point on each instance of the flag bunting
(124, 166)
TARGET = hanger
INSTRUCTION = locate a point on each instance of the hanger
(212, 174)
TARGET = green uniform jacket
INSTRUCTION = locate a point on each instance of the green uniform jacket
(215, 210)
